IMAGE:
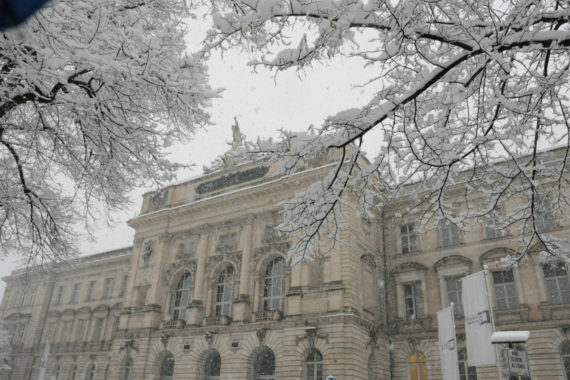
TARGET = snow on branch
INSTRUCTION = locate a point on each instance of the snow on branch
(468, 97)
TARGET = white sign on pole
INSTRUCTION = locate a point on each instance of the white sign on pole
(518, 364)
(478, 324)
(447, 344)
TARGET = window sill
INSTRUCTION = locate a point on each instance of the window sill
(218, 320)
(555, 311)
(420, 324)
(268, 315)
(172, 324)
(519, 314)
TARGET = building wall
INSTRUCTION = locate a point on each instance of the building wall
(348, 303)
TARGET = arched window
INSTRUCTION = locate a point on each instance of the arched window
(106, 375)
(166, 367)
(213, 366)
(127, 370)
(225, 292)
(314, 365)
(418, 367)
(182, 296)
(371, 367)
(72, 372)
(264, 365)
(274, 285)
(90, 374)
(565, 354)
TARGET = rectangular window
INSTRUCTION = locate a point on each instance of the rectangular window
(449, 234)
(544, 215)
(186, 248)
(465, 372)
(18, 336)
(108, 291)
(453, 285)
(75, 293)
(408, 238)
(124, 286)
(80, 330)
(98, 329)
(30, 296)
(557, 287)
(413, 300)
(21, 297)
(116, 321)
(59, 295)
(51, 330)
(492, 223)
(228, 240)
(91, 291)
(66, 332)
(505, 291)
(14, 298)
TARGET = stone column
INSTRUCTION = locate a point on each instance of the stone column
(242, 308)
(195, 311)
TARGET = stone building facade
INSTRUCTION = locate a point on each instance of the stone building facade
(205, 293)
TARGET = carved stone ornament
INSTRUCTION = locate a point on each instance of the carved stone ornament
(158, 199)
(209, 337)
(234, 257)
(261, 333)
(312, 335)
(192, 266)
(283, 248)
(148, 249)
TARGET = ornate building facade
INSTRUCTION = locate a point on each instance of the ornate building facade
(205, 293)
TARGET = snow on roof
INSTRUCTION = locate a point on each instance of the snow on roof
(510, 336)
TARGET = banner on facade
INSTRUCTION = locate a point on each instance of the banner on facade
(447, 344)
(478, 324)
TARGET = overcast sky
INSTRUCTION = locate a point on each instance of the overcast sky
(262, 103)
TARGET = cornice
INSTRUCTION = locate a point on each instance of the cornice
(277, 186)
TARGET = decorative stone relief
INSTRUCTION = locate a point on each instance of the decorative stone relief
(232, 179)
(259, 252)
(234, 257)
(312, 335)
(192, 266)
(148, 249)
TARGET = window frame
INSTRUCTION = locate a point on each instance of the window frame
(450, 231)
(223, 306)
(316, 364)
(183, 289)
(411, 238)
(417, 298)
(563, 297)
(504, 285)
(458, 303)
(268, 296)
(108, 286)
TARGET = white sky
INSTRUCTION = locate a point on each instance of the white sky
(262, 103)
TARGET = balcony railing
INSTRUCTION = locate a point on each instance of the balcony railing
(268, 315)
(172, 324)
(218, 320)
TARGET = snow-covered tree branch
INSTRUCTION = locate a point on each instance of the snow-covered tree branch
(468, 95)
(90, 94)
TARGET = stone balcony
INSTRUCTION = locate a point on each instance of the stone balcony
(268, 315)
(414, 325)
(217, 320)
(172, 324)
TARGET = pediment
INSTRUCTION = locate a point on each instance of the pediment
(453, 260)
(409, 266)
(496, 254)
